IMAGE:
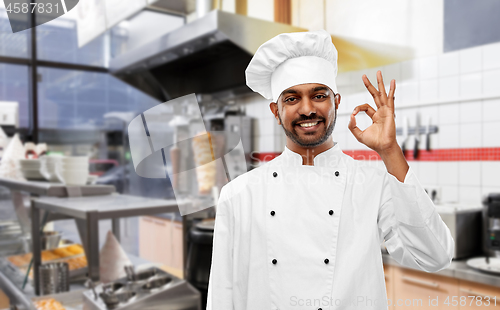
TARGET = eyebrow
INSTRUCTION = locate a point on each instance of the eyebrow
(315, 89)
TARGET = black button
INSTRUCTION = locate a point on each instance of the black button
(327, 260)
(273, 213)
(337, 173)
(330, 212)
(274, 261)
(275, 174)
(320, 309)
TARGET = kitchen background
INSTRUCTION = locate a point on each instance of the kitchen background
(89, 82)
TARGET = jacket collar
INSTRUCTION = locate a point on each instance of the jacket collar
(329, 158)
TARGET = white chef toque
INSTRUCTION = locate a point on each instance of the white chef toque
(291, 59)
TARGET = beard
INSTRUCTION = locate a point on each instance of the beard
(296, 138)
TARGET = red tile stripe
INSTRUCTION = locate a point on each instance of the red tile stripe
(459, 154)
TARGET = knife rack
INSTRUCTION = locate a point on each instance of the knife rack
(422, 130)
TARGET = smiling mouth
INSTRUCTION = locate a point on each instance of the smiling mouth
(309, 126)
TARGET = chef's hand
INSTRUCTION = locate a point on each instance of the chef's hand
(380, 136)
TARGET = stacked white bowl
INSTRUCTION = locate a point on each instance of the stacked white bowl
(48, 166)
(73, 170)
(31, 169)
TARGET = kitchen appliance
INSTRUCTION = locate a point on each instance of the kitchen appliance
(200, 256)
(464, 222)
(150, 289)
(491, 225)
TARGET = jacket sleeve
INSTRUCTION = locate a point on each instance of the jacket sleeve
(220, 284)
(414, 233)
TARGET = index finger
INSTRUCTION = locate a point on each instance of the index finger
(375, 93)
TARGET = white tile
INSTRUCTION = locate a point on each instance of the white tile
(491, 59)
(471, 112)
(266, 144)
(448, 64)
(431, 111)
(408, 93)
(490, 134)
(342, 122)
(428, 68)
(448, 136)
(471, 85)
(470, 60)
(352, 143)
(428, 174)
(256, 144)
(409, 70)
(449, 194)
(469, 194)
(340, 137)
(491, 110)
(491, 82)
(392, 72)
(449, 88)
(469, 173)
(429, 90)
(447, 172)
(257, 124)
(449, 114)
(267, 126)
(470, 135)
(279, 142)
(356, 99)
(485, 190)
(490, 173)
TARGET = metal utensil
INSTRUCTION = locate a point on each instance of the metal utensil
(54, 278)
(417, 137)
(405, 134)
(50, 240)
(428, 135)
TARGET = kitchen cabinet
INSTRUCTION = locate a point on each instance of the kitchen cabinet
(160, 240)
(417, 290)
(480, 292)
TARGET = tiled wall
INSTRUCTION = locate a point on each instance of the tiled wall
(458, 91)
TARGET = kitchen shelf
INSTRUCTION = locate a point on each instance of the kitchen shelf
(87, 211)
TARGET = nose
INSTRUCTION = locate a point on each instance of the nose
(307, 107)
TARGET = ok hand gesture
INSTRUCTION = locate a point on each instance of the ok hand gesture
(380, 136)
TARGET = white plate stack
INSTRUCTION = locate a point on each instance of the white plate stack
(48, 167)
(73, 170)
(31, 169)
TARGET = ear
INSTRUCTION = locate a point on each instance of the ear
(337, 100)
(274, 108)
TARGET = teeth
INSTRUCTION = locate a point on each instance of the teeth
(308, 124)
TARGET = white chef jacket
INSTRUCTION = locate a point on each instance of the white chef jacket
(293, 236)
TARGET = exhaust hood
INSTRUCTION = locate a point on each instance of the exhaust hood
(209, 56)
(206, 56)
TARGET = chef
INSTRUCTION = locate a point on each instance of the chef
(304, 231)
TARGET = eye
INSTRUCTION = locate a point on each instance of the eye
(290, 99)
(320, 96)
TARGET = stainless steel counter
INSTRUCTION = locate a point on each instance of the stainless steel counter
(458, 269)
(54, 189)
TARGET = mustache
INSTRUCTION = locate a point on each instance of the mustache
(308, 118)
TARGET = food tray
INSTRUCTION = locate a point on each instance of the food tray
(27, 258)
(70, 300)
